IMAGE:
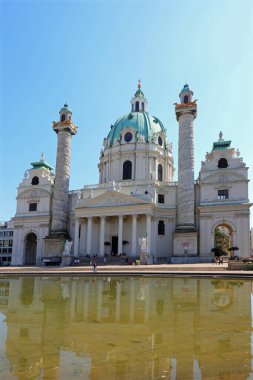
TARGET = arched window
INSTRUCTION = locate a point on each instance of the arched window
(137, 106)
(142, 106)
(62, 117)
(161, 227)
(160, 172)
(69, 117)
(222, 163)
(127, 170)
(35, 180)
(186, 99)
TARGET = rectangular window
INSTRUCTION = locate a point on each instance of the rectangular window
(6, 233)
(6, 243)
(11, 233)
(160, 198)
(161, 227)
(10, 243)
(32, 206)
(1, 243)
(223, 194)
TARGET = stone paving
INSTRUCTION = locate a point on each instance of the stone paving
(206, 270)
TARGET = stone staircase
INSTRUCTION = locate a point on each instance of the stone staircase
(110, 260)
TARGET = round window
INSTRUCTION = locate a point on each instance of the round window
(160, 141)
(128, 136)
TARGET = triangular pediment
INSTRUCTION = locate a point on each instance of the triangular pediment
(111, 199)
(223, 178)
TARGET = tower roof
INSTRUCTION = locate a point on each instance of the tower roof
(41, 163)
(221, 144)
(65, 108)
(185, 89)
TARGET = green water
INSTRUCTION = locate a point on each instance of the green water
(125, 328)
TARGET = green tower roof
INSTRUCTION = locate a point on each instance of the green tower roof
(220, 145)
(41, 164)
(65, 108)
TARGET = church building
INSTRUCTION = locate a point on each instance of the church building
(136, 198)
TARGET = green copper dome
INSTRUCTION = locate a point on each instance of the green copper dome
(142, 122)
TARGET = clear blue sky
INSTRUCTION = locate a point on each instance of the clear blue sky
(91, 55)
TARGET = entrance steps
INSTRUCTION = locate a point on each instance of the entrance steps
(110, 260)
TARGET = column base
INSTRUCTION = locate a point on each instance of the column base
(185, 244)
(66, 260)
(54, 245)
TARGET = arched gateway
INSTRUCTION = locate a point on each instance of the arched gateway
(223, 238)
(30, 249)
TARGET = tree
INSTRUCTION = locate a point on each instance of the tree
(221, 240)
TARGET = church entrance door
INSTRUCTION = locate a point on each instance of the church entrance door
(114, 245)
(30, 249)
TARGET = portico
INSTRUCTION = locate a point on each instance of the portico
(124, 222)
(102, 229)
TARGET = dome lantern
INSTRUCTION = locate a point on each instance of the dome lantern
(186, 94)
(139, 102)
(65, 113)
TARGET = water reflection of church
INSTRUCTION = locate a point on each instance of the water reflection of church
(127, 329)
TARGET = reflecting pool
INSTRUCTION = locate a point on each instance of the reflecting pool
(124, 328)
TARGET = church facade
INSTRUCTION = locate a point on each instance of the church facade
(136, 197)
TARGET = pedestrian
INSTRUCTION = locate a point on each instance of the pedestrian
(94, 266)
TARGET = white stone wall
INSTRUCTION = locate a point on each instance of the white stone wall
(144, 157)
(41, 230)
(26, 221)
(232, 212)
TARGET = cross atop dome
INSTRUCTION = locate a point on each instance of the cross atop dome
(139, 102)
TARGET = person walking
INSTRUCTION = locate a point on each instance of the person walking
(94, 266)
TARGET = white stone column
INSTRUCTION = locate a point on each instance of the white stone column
(102, 236)
(76, 242)
(134, 231)
(148, 229)
(185, 190)
(89, 232)
(61, 187)
(120, 234)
